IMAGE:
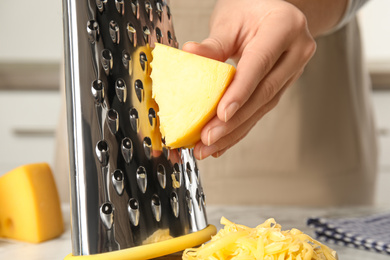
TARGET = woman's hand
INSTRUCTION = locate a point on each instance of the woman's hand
(270, 42)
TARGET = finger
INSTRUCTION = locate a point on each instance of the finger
(219, 153)
(210, 48)
(203, 151)
(282, 75)
(221, 146)
(219, 45)
(217, 129)
(258, 58)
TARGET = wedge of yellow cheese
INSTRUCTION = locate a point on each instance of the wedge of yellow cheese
(29, 204)
(187, 89)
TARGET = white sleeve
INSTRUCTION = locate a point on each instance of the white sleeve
(352, 7)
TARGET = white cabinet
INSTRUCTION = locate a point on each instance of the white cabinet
(375, 20)
(31, 31)
(27, 129)
(381, 101)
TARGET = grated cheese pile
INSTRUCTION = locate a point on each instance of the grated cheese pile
(266, 241)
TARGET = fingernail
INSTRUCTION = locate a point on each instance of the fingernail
(215, 134)
(200, 154)
(231, 110)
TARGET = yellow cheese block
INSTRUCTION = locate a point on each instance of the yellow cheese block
(29, 204)
(187, 89)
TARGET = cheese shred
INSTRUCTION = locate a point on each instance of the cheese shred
(265, 242)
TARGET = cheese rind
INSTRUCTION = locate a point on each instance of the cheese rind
(30, 205)
(187, 89)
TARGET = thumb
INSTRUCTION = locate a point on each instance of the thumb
(209, 48)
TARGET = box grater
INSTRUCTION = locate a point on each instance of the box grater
(127, 188)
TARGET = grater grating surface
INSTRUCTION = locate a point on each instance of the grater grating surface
(125, 184)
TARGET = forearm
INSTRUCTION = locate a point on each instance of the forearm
(321, 15)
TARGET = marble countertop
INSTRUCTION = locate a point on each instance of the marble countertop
(288, 217)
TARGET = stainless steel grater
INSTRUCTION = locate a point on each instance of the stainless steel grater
(126, 186)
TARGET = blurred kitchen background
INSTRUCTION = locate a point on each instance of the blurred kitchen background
(31, 49)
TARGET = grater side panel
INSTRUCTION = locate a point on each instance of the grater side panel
(126, 186)
(79, 132)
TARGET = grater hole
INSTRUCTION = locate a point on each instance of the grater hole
(159, 35)
(133, 210)
(102, 152)
(197, 173)
(127, 144)
(189, 201)
(117, 181)
(106, 54)
(107, 208)
(176, 176)
(156, 207)
(135, 8)
(148, 147)
(133, 204)
(156, 200)
(168, 12)
(161, 176)
(127, 149)
(126, 60)
(107, 214)
(107, 61)
(142, 179)
(120, 7)
(189, 171)
(118, 175)
(152, 117)
(121, 90)
(93, 31)
(97, 90)
(170, 38)
(114, 32)
(112, 114)
(134, 120)
(188, 167)
(102, 146)
(198, 198)
(143, 60)
(176, 167)
(131, 33)
(139, 90)
(100, 4)
(149, 9)
(159, 9)
(166, 152)
(203, 199)
(113, 121)
(97, 85)
(146, 32)
(175, 204)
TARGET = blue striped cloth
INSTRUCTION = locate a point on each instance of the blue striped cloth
(368, 233)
